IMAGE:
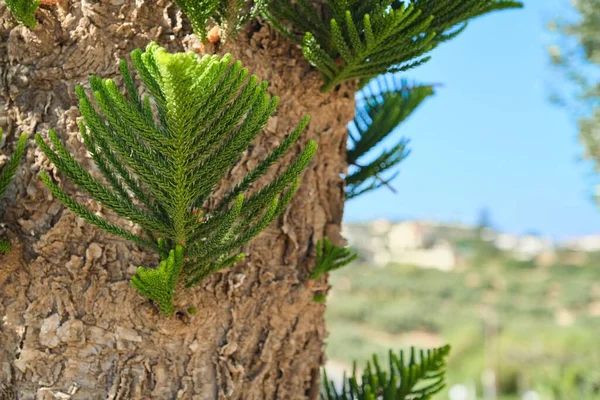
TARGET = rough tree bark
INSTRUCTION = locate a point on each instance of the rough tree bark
(70, 324)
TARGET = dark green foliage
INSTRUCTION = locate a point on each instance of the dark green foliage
(320, 298)
(413, 378)
(24, 11)
(229, 15)
(380, 107)
(4, 246)
(163, 156)
(198, 12)
(331, 257)
(7, 172)
(360, 39)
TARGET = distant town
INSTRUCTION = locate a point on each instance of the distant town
(430, 244)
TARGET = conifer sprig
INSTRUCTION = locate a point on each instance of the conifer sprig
(7, 173)
(228, 15)
(162, 157)
(360, 39)
(158, 284)
(381, 106)
(413, 377)
(331, 257)
(24, 11)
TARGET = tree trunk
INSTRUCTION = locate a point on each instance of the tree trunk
(71, 327)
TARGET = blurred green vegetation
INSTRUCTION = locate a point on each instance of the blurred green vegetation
(536, 327)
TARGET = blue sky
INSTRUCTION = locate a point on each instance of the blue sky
(490, 138)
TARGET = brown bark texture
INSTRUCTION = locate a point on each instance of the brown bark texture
(71, 327)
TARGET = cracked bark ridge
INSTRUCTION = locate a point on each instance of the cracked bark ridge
(71, 327)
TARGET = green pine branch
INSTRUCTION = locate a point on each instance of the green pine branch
(331, 257)
(7, 173)
(381, 107)
(413, 377)
(161, 158)
(320, 298)
(24, 11)
(4, 246)
(228, 15)
(158, 284)
(352, 39)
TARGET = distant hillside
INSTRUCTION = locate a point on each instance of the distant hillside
(522, 313)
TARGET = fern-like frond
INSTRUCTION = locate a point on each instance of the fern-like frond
(7, 173)
(331, 257)
(353, 39)
(413, 377)
(159, 283)
(163, 156)
(381, 106)
(24, 11)
(228, 15)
